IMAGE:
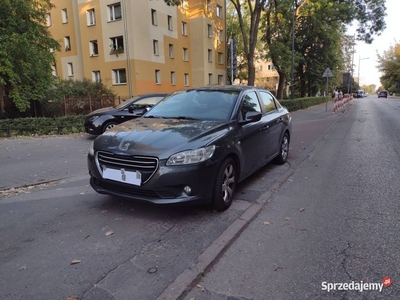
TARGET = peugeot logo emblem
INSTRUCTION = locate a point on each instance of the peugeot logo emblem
(125, 146)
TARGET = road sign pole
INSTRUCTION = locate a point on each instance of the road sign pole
(326, 100)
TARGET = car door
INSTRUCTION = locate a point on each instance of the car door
(252, 135)
(136, 109)
(274, 120)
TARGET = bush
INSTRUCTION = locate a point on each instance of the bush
(41, 126)
(303, 103)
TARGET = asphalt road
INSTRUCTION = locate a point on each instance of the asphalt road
(336, 219)
(127, 250)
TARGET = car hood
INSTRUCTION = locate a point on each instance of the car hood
(101, 111)
(159, 137)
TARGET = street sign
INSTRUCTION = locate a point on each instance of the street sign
(327, 73)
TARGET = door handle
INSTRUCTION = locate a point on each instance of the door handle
(266, 127)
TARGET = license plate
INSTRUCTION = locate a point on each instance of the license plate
(122, 175)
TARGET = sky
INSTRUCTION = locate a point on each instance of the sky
(365, 55)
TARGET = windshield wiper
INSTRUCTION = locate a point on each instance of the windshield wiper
(156, 117)
(183, 118)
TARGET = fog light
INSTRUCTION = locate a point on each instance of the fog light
(187, 189)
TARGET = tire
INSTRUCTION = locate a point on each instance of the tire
(225, 185)
(283, 151)
(108, 126)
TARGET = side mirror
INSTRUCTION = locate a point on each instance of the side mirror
(252, 116)
(130, 109)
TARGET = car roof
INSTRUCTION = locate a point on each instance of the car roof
(239, 88)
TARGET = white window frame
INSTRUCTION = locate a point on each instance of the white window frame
(185, 54)
(117, 42)
(64, 15)
(91, 17)
(93, 46)
(155, 47)
(173, 78)
(48, 20)
(184, 29)
(186, 79)
(154, 17)
(220, 35)
(111, 12)
(209, 55)
(219, 11)
(220, 79)
(67, 43)
(96, 76)
(209, 30)
(54, 71)
(220, 58)
(117, 76)
(171, 51)
(170, 24)
(210, 78)
(157, 74)
(70, 69)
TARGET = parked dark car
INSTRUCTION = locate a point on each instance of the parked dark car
(382, 94)
(104, 119)
(194, 146)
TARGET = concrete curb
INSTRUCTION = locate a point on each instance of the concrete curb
(190, 277)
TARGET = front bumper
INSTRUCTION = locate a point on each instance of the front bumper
(165, 186)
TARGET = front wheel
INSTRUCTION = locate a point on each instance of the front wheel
(109, 125)
(284, 150)
(225, 185)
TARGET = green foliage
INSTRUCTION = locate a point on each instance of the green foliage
(25, 57)
(389, 66)
(41, 126)
(302, 103)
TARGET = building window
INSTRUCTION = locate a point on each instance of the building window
(54, 71)
(209, 30)
(70, 69)
(173, 78)
(220, 58)
(119, 76)
(64, 15)
(169, 19)
(114, 11)
(185, 54)
(94, 48)
(158, 76)
(117, 45)
(96, 76)
(260, 68)
(155, 47)
(220, 35)
(184, 28)
(209, 55)
(154, 17)
(171, 50)
(67, 43)
(220, 79)
(90, 17)
(186, 79)
(219, 11)
(208, 6)
(210, 78)
(48, 20)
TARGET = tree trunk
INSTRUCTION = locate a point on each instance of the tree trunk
(281, 85)
(252, 70)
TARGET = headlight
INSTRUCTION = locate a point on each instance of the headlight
(91, 149)
(92, 118)
(191, 156)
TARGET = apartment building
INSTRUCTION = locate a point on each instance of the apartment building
(140, 46)
(266, 75)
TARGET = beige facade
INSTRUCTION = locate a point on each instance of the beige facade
(140, 46)
(266, 75)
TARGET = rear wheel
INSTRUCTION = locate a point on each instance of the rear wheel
(225, 185)
(284, 150)
(108, 126)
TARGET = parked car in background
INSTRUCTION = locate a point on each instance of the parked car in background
(193, 147)
(382, 94)
(106, 118)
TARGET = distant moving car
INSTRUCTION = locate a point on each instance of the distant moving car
(194, 146)
(382, 94)
(104, 119)
(360, 94)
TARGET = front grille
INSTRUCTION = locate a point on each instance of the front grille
(132, 191)
(147, 166)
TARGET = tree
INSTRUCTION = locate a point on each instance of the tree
(389, 66)
(25, 57)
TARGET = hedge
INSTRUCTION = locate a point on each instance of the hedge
(302, 103)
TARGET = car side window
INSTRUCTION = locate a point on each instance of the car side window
(250, 103)
(268, 101)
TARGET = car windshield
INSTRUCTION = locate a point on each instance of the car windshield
(196, 104)
(126, 102)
